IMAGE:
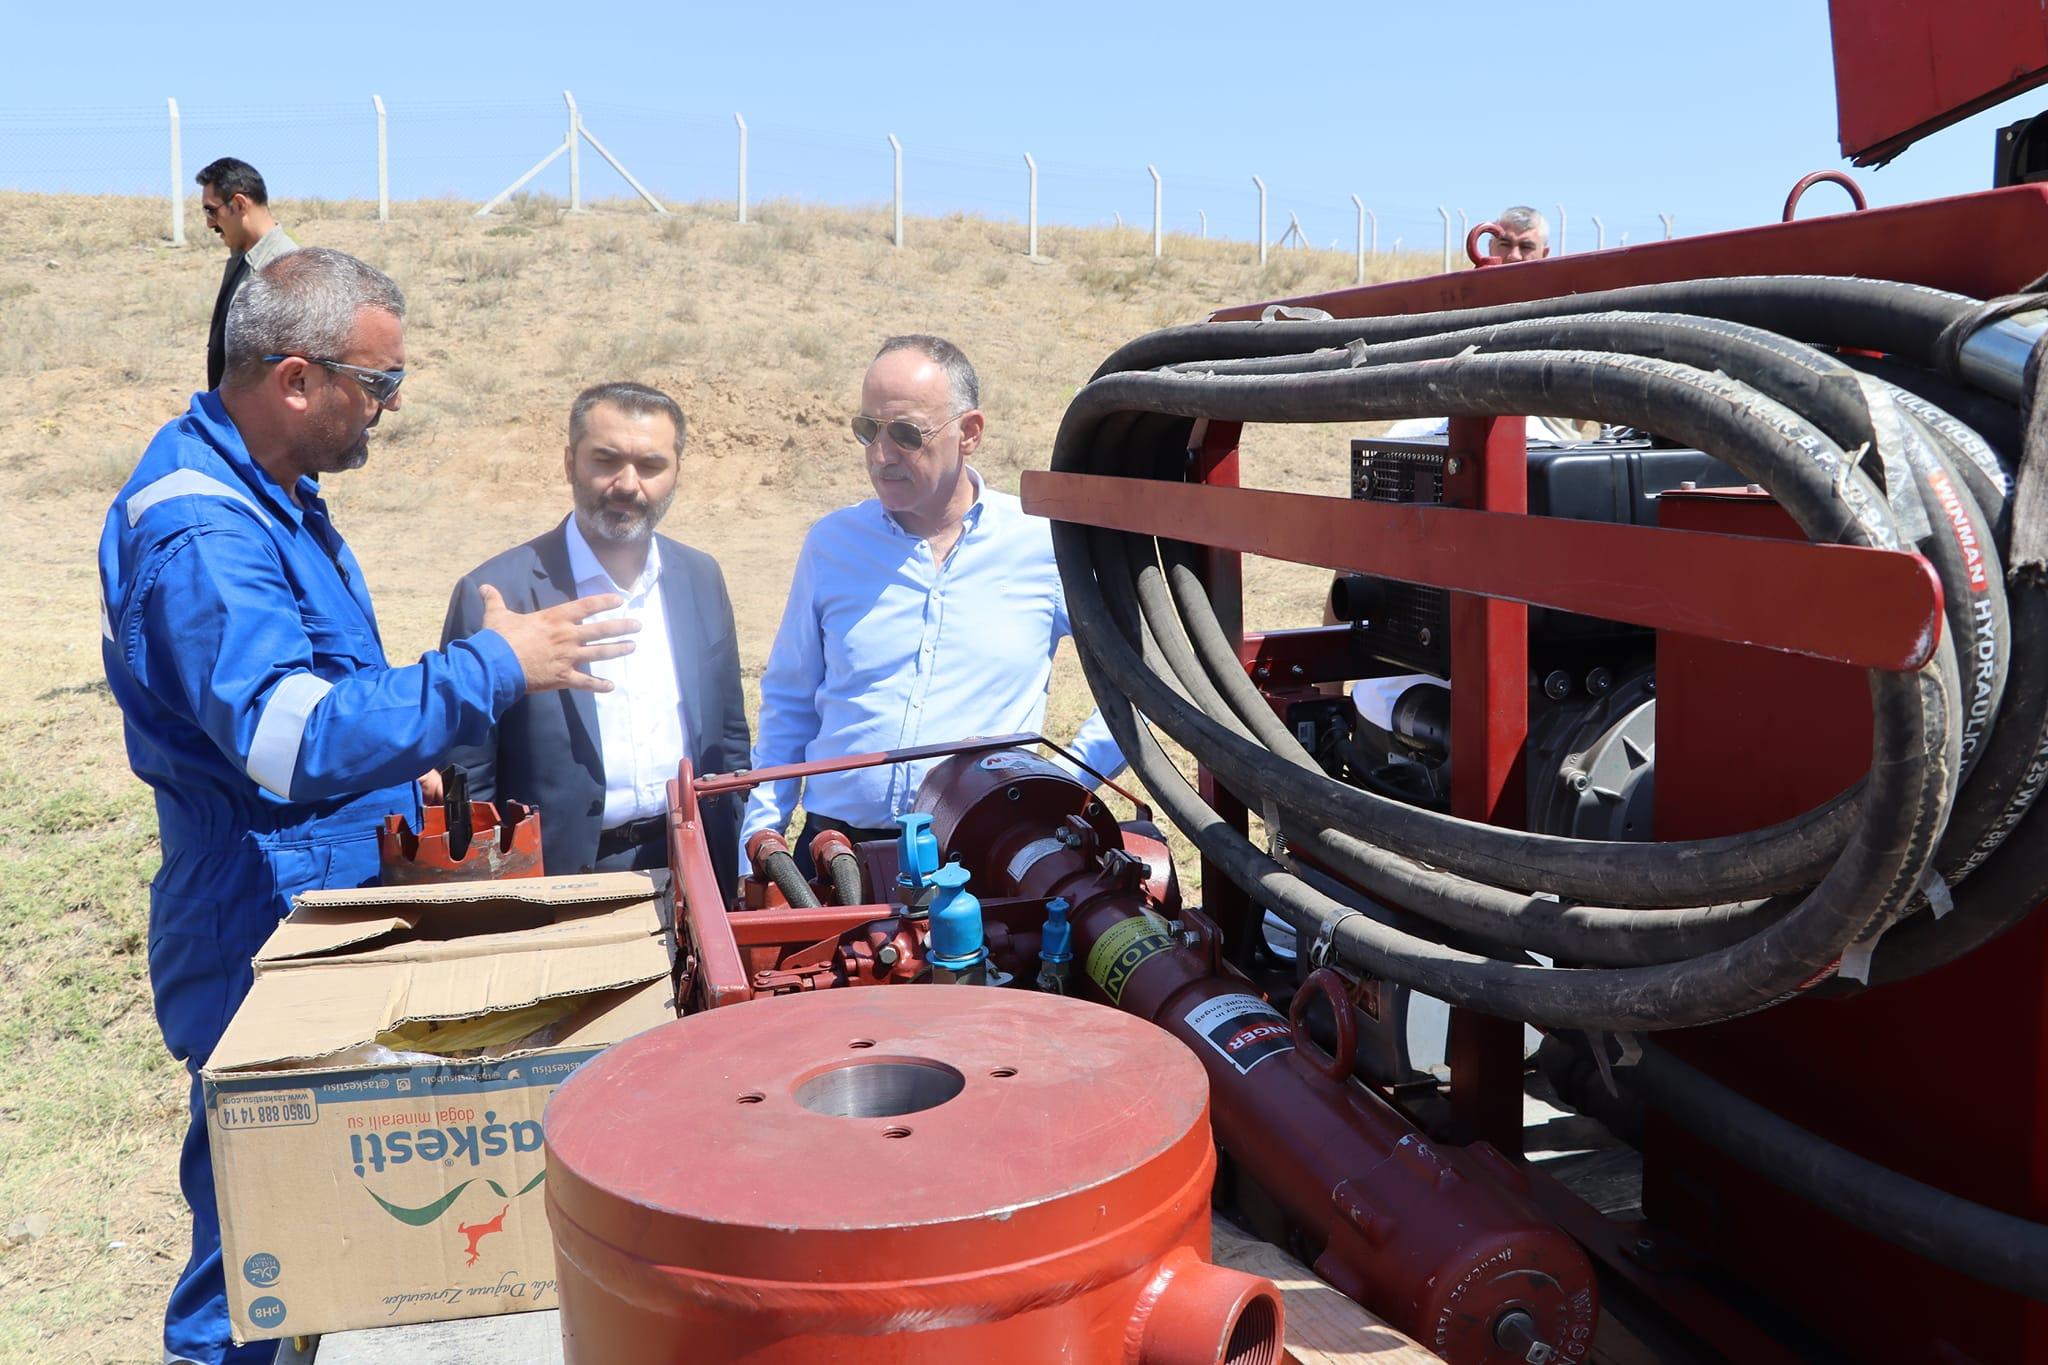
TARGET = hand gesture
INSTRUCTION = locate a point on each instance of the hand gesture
(554, 644)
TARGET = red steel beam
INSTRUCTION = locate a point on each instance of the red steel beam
(1916, 243)
(1869, 608)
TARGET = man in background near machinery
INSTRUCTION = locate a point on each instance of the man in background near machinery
(240, 642)
(930, 612)
(598, 768)
(1524, 235)
(237, 207)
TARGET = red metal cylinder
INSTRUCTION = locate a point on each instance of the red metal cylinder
(928, 1174)
(1439, 1241)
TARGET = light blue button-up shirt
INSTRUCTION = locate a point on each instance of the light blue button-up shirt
(882, 648)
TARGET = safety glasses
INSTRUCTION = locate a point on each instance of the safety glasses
(382, 384)
(904, 435)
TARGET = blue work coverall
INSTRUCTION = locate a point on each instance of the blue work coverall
(241, 645)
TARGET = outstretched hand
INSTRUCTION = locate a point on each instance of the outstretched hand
(555, 643)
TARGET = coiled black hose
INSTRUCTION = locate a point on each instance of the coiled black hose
(1652, 936)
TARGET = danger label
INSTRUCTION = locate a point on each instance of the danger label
(1244, 1028)
(1121, 950)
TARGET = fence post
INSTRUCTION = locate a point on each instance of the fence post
(1158, 208)
(177, 180)
(1374, 220)
(1031, 208)
(1670, 222)
(743, 165)
(1445, 214)
(1561, 221)
(1203, 214)
(383, 163)
(1464, 229)
(1359, 204)
(1262, 219)
(1599, 234)
(896, 148)
(575, 155)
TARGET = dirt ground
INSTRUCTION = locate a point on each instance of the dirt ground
(760, 331)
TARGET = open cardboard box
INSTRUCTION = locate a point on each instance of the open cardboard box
(362, 1183)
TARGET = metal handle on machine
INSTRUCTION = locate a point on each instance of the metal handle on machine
(1331, 985)
(1472, 250)
(1808, 181)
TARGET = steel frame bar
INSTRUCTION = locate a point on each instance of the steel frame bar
(1869, 608)
(1982, 244)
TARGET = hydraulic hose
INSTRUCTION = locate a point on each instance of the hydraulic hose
(782, 870)
(1886, 877)
(1995, 1247)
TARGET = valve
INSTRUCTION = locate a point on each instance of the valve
(1055, 948)
(958, 951)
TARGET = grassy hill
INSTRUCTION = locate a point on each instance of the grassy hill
(761, 332)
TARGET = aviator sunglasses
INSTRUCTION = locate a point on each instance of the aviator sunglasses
(904, 435)
(382, 384)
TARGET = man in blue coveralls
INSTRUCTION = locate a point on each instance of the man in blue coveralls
(241, 645)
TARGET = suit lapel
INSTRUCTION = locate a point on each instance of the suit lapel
(555, 585)
(685, 636)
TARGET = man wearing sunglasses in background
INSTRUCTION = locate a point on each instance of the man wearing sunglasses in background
(239, 640)
(237, 208)
(927, 613)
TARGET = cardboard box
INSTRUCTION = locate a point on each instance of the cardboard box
(360, 1186)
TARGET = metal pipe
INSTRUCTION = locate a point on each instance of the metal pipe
(896, 151)
(1031, 209)
(383, 163)
(1262, 219)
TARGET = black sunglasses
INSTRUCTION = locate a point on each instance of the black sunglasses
(904, 435)
(382, 384)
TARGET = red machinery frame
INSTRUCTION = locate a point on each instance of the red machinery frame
(1496, 561)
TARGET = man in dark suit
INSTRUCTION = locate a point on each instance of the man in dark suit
(597, 765)
(237, 207)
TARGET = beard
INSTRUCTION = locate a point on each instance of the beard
(621, 521)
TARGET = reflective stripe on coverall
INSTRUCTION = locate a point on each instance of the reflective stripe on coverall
(240, 642)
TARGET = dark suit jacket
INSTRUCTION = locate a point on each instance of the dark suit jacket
(547, 752)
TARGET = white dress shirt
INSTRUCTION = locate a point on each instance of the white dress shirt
(640, 721)
(883, 647)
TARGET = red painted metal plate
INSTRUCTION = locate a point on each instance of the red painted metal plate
(1774, 594)
(1069, 1119)
(1917, 243)
(1905, 68)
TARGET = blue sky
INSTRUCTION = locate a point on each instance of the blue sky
(1625, 110)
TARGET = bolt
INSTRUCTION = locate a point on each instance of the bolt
(1754, 488)
(1262, 672)
(1558, 685)
(1422, 635)
(1575, 779)
(1687, 486)
(1516, 1334)
(887, 955)
(1453, 465)
(1599, 682)
(1295, 670)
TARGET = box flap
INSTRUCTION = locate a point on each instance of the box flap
(306, 1008)
(375, 918)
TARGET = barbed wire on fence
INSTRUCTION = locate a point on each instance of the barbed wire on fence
(467, 149)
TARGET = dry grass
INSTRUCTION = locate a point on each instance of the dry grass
(760, 331)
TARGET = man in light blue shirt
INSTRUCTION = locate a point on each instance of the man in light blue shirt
(929, 612)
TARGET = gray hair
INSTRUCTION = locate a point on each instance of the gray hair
(966, 385)
(635, 400)
(1522, 218)
(304, 303)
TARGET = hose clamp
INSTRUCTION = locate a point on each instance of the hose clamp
(1326, 938)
